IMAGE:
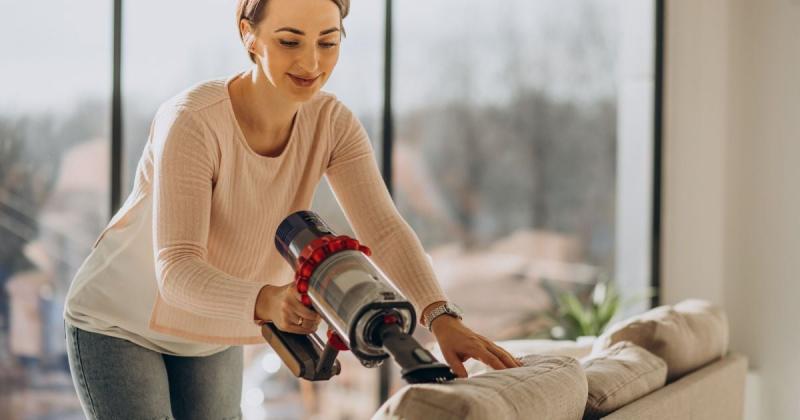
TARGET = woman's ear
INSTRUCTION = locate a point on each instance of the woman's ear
(249, 39)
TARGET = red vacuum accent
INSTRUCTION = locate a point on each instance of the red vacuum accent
(312, 255)
(336, 342)
(302, 286)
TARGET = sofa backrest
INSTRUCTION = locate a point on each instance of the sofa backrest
(715, 392)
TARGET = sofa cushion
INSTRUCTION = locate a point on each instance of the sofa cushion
(547, 387)
(715, 391)
(687, 336)
(619, 375)
(519, 348)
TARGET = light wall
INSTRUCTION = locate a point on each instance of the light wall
(731, 205)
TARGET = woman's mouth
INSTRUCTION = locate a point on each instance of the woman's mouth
(303, 82)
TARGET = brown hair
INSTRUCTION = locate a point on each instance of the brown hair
(253, 12)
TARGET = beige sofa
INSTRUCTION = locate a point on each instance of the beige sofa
(714, 392)
(669, 363)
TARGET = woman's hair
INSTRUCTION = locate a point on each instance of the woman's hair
(253, 12)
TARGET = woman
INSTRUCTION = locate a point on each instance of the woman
(185, 272)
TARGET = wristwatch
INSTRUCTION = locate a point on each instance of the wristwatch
(447, 308)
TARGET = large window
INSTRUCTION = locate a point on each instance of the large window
(522, 155)
(506, 146)
(54, 188)
(166, 50)
(515, 124)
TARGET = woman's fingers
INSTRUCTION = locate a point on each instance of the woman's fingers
(302, 310)
(508, 360)
(291, 325)
(455, 364)
(487, 357)
(308, 327)
(305, 312)
(293, 311)
(297, 311)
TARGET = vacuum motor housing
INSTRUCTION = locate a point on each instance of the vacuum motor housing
(352, 294)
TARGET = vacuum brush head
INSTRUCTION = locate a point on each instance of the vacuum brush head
(418, 365)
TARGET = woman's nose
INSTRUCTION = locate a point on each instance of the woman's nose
(310, 60)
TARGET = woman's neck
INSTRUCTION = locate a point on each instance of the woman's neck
(262, 112)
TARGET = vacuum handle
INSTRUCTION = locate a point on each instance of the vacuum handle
(303, 354)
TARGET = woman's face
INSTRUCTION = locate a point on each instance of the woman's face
(297, 45)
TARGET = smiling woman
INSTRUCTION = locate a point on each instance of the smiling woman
(312, 41)
(183, 275)
(296, 47)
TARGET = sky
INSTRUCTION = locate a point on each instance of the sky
(57, 53)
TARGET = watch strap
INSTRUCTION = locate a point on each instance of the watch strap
(437, 311)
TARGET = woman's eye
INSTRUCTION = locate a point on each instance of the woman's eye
(288, 43)
(327, 44)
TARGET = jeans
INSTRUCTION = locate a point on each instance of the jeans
(117, 379)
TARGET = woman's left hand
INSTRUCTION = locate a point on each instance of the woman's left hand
(459, 343)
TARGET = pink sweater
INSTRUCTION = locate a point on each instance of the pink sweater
(216, 204)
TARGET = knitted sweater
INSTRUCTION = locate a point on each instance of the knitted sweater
(179, 266)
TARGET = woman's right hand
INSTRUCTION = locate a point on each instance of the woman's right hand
(281, 305)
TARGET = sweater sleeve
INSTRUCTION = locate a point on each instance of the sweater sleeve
(185, 159)
(358, 186)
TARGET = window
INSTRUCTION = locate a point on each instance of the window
(522, 153)
(165, 51)
(54, 187)
(523, 150)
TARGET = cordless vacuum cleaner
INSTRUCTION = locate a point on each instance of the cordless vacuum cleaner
(364, 311)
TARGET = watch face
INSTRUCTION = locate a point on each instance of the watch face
(452, 307)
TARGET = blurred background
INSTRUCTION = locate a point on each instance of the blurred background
(524, 153)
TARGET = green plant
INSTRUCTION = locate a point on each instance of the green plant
(586, 312)
(575, 318)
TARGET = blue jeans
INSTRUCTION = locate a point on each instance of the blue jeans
(117, 379)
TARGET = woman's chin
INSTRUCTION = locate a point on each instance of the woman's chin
(302, 94)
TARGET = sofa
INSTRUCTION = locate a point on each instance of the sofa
(671, 362)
